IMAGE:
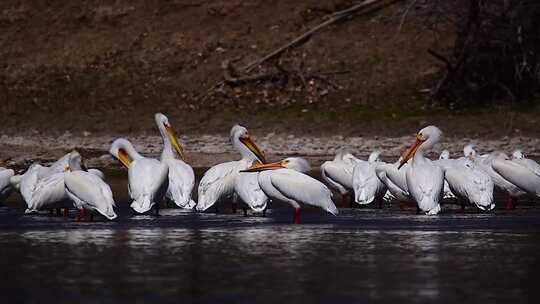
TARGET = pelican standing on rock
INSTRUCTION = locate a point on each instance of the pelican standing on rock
(219, 181)
(284, 181)
(181, 176)
(88, 191)
(147, 177)
(425, 180)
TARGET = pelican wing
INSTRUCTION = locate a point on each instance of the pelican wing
(366, 183)
(5, 185)
(529, 164)
(181, 183)
(471, 184)
(426, 183)
(217, 183)
(246, 185)
(48, 190)
(515, 173)
(338, 174)
(89, 191)
(303, 188)
(147, 178)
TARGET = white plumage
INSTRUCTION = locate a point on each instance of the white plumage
(367, 185)
(246, 185)
(147, 177)
(520, 171)
(425, 180)
(218, 183)
(468, 182)
(181, 175)
(88, 191)
(338, 173)
(5, 185)
(284, 181)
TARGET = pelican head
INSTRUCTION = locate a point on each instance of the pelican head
(74, 161)
(295, 163)
(468, 151)
(445, 154)
(121, 149)
(518, 154)
(167, 132)
(425, 139)
(242, 142)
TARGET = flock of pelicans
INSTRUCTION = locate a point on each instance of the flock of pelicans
(413, 178)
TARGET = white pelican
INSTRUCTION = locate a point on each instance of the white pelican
(338, 174)
(367, 185)
(468, 182)
(445, 154)
(283, 181)
(5, 185)
(181, 176)
(246, 186)
(485, 163)
(147, 177)
(520, 171)
(88, 191)
(219, 181)
(48, 189)
(425, 180)
(396, 181)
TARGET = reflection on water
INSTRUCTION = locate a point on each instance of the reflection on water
(306, 263)
(362, 255)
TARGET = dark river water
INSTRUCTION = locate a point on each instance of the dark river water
(363, 255)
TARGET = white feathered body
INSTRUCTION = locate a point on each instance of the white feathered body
(5, 185)
(486, 164)
(524, 173)
(48, 191)
(148, 182)
(470, 183)
(89, 191)
(293, 187)
(181, 183)
(425, 182)
(338, 174)
(367, 185)
(218, 183)
(246, 186)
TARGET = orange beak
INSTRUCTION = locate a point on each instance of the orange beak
(174, 142)
(124, 158)
(259, 167)
(409, 153)
(246, 140)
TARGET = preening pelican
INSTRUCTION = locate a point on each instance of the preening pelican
(283, 181)
(520, 171)
(485, 163)
(425, 180)
(26, 183)
(88, 191)
(395, 180)
(467, 182)
(147, 177)
(367, 185)
(5, 185)
(218, 182)
(181, 176)
(48, 189)
(338, 174)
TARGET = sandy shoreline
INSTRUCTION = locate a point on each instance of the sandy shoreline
(18, 151)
